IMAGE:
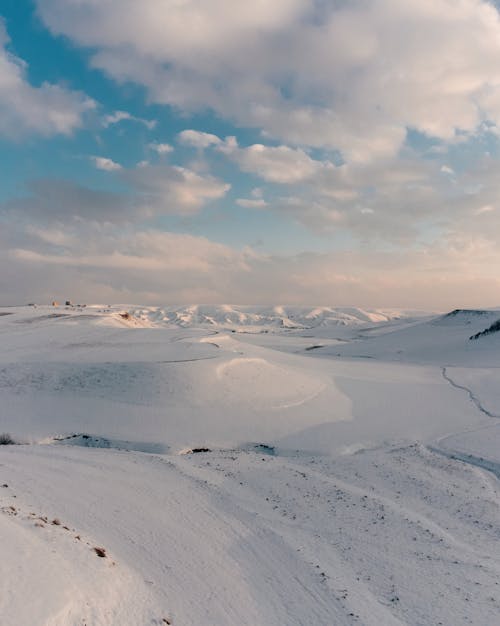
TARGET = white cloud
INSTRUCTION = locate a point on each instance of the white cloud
(120, 116)
(346, 75)
(115, 118)
(103, 163)
(251, 203)
(255, 202)
(45, 110)
(279, 164)
(154, 190)
(177, 190)
(487, 208)
(198, 139)
(445, 169)
(161, 148)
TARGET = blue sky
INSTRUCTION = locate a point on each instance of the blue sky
(295, 151)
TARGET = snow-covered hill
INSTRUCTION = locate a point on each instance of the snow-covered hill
(315, 466)
(276, 317)
(444, 340)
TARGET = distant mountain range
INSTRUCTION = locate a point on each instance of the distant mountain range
(292, 317)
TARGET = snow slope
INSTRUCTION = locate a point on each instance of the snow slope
(345, 480)
(441, 340)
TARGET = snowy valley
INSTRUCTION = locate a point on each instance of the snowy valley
(268, 466)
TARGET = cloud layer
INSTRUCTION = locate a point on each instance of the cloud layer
(346, 75)
(372, 124)
(153, 267)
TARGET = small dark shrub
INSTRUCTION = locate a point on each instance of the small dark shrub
(6, 439)
(100, 552)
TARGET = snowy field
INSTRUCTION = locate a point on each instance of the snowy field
(273, 466)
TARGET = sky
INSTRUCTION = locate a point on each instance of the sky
(318, 152)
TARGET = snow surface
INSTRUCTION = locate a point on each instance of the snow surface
(346, 467)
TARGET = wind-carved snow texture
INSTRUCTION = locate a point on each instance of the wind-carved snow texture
(102, 380)
(215, 465)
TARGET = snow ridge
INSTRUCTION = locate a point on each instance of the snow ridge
(278, 317)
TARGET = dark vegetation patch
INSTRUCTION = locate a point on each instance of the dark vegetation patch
(462, 316)
(264, 447)
(494, 328)
(101, 552)
(6, 440)
(95, 441)
(475, 312)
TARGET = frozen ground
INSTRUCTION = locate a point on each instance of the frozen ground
(347, 474)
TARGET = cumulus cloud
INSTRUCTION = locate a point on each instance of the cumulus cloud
(161, 148)
(173, 189)
(154, 190)
(389, 199)
(120, 116)
(337, 90)
(400, 201)
(346, 75)
(279, 164)
(447, 170)
(103, 163)
(198, 139)
(255, 202)
(45, 110)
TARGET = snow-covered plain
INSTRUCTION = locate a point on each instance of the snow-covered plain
(248, 465)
